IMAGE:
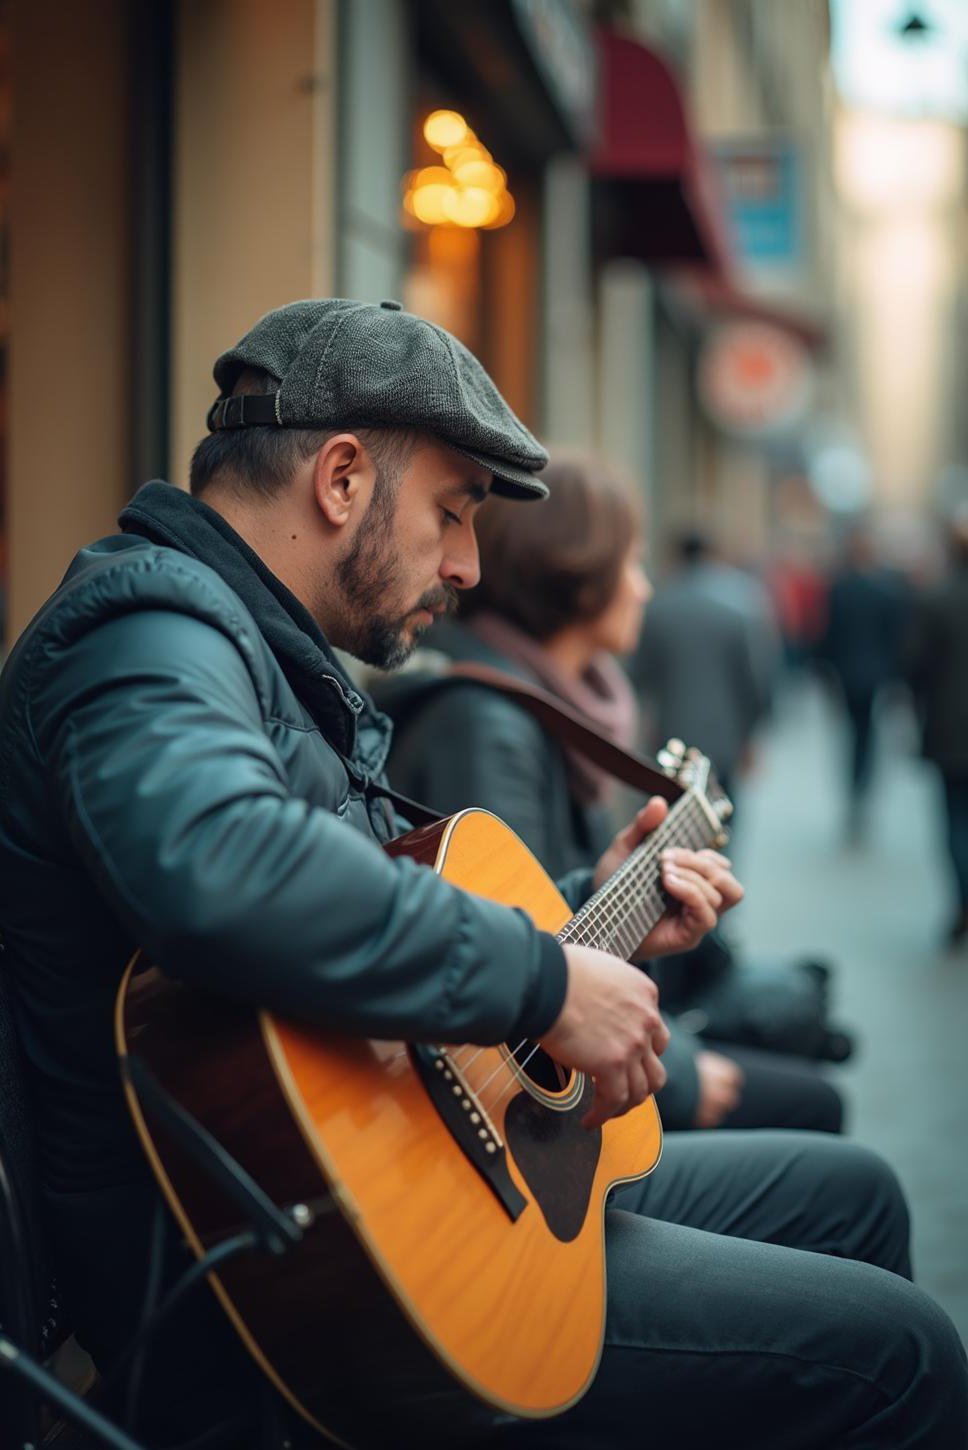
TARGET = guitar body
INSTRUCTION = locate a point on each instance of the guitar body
(423, 1290)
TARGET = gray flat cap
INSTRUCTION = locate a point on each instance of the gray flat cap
(352, 364)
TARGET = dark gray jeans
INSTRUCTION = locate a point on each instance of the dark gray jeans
(758, 1297)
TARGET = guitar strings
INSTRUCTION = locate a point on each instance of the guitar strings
(598, 922)
(608, 924)
(624, 884)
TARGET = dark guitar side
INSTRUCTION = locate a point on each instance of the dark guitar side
(319, 1319)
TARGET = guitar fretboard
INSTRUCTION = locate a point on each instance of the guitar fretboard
(632, 900)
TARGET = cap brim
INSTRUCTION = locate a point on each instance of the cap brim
(509, 481)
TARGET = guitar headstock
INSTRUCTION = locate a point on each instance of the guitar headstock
(693, 772)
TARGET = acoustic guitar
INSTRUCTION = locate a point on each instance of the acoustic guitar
(449, 1203)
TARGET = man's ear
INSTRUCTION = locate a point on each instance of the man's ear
(342, 478)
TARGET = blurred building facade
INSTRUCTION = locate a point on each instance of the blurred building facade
(178, 167)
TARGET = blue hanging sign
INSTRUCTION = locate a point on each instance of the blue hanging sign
(761, 182)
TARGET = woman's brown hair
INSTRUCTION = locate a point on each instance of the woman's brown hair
(547, 565)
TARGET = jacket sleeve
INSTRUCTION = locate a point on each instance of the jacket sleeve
(180, 810)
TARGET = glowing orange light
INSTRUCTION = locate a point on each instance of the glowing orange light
(430, 176)
(432, 203)
(505, 212)
(444, 128)
(480, 173)
(469, 191)
(469, 150)
(471, 206)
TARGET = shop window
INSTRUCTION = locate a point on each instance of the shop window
(473, 268)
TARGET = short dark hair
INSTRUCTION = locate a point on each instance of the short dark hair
(556, 563)
(263, 460)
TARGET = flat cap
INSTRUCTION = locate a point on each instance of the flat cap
(343, 364)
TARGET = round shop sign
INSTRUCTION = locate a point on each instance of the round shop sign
(755, 380)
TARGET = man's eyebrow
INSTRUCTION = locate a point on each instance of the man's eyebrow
(476, 491)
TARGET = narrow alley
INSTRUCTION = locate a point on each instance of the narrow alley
(879, 911)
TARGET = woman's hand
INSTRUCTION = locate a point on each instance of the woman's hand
(699, 884)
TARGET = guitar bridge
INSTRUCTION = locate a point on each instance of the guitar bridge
(468, 1123)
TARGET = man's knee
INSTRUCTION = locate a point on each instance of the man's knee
(860, 1210)
(923, 1371)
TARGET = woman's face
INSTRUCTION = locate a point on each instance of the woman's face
(617, 628)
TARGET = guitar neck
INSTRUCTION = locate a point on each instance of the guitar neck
(627, 907)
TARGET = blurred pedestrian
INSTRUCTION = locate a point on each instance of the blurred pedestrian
(561, 595)
(706, 666)
(861, 646)
(799, 594)
(937, 667)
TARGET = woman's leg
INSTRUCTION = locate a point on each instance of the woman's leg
(781, 1092)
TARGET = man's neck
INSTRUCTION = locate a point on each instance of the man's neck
(278, 536)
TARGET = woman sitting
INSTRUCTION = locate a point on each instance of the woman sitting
(562, 595)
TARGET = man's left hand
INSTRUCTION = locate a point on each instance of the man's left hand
(699, 883)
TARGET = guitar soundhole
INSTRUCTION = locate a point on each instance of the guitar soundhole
(541, 1069)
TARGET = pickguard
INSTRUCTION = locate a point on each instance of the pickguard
(557, 1158)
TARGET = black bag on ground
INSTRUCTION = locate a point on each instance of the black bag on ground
(782, 1006)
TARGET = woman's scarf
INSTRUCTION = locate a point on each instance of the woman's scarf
(602, 695)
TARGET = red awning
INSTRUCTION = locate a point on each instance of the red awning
(654, 195)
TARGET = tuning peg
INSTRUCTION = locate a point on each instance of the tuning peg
(671, 757)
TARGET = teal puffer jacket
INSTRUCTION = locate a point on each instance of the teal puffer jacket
(185, 767)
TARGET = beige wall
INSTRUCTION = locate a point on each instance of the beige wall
(68, 436)
(903, 188)
(253, 182)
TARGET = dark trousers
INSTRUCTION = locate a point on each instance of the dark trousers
(781, 1092)
(956, 811)
(860, 718)
(758, 1299)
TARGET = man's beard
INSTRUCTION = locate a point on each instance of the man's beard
(369, 576)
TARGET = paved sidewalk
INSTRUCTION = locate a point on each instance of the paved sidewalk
(879, 911)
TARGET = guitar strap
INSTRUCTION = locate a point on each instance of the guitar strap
(573, 729)
(412, 811)
(560, 720)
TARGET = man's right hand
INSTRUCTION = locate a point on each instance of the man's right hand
(610, 1028)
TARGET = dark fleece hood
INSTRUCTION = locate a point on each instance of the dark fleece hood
(168, 516)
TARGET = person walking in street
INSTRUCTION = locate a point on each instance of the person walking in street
(706, 667)
(196, 775)
(862, 647)
(937, 668)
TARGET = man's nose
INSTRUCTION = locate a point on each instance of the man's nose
(461, 565)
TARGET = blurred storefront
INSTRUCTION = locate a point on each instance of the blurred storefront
(514, 80)
(171, 178)
(713, 186)
(181, 166)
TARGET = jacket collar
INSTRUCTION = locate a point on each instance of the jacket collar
(170, 517)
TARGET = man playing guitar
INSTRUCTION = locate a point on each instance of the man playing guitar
(188, 770)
